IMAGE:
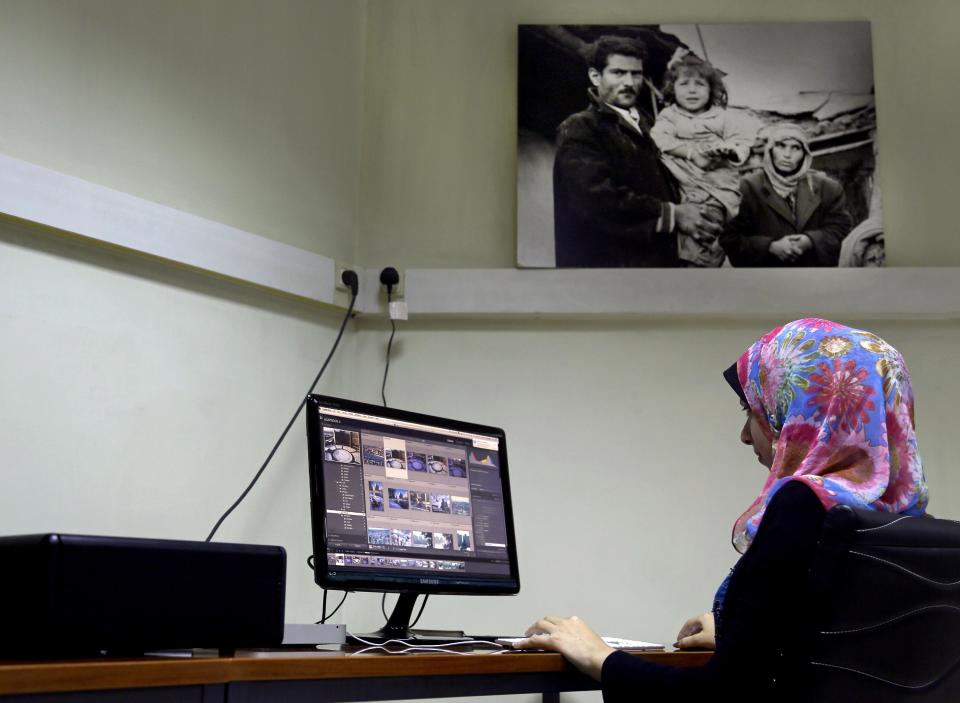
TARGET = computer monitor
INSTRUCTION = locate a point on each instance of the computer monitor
(408, 503)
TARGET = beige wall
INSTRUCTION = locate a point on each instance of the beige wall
(439, 168)
(139, 399)
(242, 111)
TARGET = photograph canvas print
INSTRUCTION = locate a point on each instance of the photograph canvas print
(697, 146)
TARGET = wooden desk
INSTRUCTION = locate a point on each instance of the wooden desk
(292, 677)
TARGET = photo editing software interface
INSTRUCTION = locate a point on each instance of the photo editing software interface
(409, 500)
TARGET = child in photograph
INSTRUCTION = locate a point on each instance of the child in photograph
(702, 145)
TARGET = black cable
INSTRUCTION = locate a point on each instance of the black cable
(323, 615)
(346, 318)
(423, 605)
(311, 562)
(386, 617)
(386, 370)
(345, 594)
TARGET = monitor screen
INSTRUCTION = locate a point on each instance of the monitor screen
(407, 502)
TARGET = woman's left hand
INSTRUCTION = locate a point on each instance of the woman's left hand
(573, 638)
(698, 632)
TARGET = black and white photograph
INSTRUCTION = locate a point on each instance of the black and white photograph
(697, 146)
(437, 463)
(463, 541)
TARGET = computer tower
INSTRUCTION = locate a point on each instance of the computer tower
(78, 595)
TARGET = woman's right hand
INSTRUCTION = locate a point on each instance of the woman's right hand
(573, 638)
(697, 633)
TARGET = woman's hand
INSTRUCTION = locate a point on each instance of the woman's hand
(802, 242)
(785, 249)
(697, 633)
(573, 638)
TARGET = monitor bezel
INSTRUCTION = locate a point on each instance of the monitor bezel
(353, 581)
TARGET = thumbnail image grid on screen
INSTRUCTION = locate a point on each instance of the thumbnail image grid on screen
(403, 499)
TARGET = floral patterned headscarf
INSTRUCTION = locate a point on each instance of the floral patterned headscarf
(839, 404)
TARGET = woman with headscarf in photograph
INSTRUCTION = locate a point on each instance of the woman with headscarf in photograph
(790, 214)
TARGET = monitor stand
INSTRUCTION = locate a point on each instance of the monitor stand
(398, 628)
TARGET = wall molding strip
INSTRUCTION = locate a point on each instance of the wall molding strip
(52, 199)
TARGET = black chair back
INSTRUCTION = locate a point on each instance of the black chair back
(885, 602)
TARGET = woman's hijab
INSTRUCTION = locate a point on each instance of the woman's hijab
(839, 405)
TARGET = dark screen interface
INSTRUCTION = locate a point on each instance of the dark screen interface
(403, 498)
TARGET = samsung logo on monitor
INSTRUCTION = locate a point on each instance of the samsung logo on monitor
(435, 582)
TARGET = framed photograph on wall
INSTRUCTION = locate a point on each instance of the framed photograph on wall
(697, 146)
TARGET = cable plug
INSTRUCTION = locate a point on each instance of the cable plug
(389, 277)
(351, 281)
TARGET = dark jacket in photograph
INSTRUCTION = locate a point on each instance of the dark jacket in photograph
(609, 193)
(765, 217)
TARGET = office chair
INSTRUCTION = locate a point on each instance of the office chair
(886, 589)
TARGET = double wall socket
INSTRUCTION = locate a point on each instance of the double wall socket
(370, 280)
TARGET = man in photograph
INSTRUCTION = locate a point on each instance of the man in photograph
(615, 204)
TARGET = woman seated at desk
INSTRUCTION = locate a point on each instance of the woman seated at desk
(830, 414)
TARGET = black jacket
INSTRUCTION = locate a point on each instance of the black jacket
(609, 191)
(761, 623)
(766, 217)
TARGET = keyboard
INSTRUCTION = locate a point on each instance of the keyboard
(615, 642)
